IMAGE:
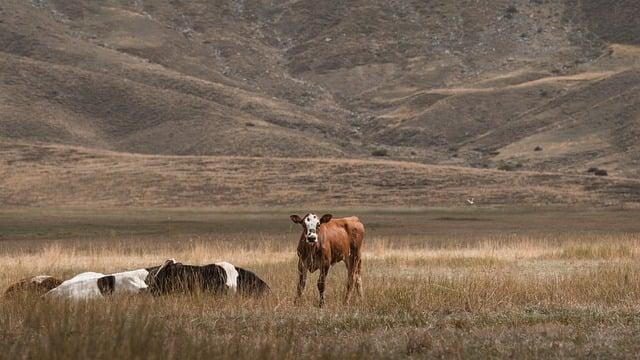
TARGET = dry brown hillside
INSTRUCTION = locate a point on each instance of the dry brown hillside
(62, 175)
(465, 83)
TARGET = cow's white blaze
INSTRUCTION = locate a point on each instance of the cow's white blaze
(232, 275)
(311, 222)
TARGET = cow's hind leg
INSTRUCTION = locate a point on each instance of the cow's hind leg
(351, 279)
(358, 278)
(356, 268)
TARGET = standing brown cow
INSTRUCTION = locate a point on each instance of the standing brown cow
(325, 242)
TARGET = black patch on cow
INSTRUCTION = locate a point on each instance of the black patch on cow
(250, 284)
(107, 284)
(153, 271)
(179, 278)
(151, 277)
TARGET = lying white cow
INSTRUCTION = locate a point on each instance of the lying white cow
(91, 285)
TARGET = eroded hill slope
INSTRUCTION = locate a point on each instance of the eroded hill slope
(464, 82)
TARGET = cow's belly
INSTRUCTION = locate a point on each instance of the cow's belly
(314, 264)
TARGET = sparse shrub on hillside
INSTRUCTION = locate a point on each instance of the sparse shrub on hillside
(343, 142)
(537, 148)
(597, 172)
(510, 11)
(39, 3)
(507, 166)
(249, 124)
(380, 152)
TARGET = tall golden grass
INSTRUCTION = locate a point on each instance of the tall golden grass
(536, 294)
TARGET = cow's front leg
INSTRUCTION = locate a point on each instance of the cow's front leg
(321, 280)
(302, 280)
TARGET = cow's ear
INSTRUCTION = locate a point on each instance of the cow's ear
(107, 284)
(296, 219)
(325, 218)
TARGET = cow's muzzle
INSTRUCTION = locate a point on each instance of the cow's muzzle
(312, 238)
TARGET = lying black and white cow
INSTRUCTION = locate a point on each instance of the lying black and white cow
(174, 277)
(91, 285)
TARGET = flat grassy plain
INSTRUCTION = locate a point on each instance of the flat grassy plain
(443, 283)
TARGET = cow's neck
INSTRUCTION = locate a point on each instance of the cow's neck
(308, 248)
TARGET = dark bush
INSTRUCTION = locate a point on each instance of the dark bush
(510, 11)
(509, 166)
(537, 148)
(600, 172)
(592, 169)
(380, 152)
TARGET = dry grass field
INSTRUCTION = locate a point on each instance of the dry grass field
(56, 175)
(444, 283)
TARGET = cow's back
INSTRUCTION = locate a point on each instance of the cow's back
(352, 226)
(345, 235)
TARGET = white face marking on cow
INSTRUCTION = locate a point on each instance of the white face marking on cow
(311, 222)
(232, 275)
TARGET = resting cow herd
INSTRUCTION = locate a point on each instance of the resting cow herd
(324, 241)
(169, 277)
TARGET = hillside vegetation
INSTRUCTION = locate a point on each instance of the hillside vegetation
(526, 85)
